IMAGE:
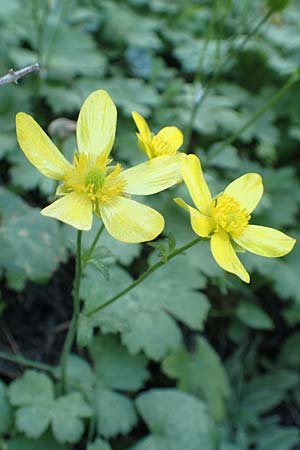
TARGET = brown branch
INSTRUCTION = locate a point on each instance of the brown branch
(13, 76)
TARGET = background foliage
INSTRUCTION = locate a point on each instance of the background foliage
(193, 358)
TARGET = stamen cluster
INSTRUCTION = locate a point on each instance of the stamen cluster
(229, 215)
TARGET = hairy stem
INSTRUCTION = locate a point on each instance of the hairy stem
(144, 275)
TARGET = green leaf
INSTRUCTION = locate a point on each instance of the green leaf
(176, 420)
(5, 410)
(115, 367)
(289, 355)
(80, 376)
(99, 444)
(67, 425)
(130, 94)
(32, 388)
(292, 315)
(279, 439)
(144, 316)
(33, 420)
(254, 316)
(200, 373)
(34, 392)
(115, 413)
(264, 392)
(46, 442)
(31, 245)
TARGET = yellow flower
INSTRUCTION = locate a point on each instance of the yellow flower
(165, 143)
(226, 218)
(91, 184)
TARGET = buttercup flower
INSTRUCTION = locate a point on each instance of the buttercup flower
(91, 183)
(165, 143)
(226, 217)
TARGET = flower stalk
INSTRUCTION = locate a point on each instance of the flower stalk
(76, 310)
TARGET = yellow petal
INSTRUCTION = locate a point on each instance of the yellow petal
(247, 190)
(130, 221)
(74, 209)
(152, 176)
(173, 136)
(202, 225)
(96, 124)
(193, 177)
(265, 241)
(226, 257)
(142, 126)
(39, 148)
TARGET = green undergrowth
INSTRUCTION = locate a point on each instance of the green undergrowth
(192, 358)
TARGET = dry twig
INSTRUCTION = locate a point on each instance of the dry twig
(13, 76)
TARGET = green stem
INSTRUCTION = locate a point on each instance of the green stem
(18, 359)
(264, 19)
(76, 310)
(144, 275)
(264, 108)
(90, 251)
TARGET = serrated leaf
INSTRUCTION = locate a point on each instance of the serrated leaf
(264, 392)
(115, 367)
(142, 315)
(200, 373)
(80, 375)
(33, 420)
(67, 413)
(115, 413)
(176, 420)
(32, 388)
(31, 245)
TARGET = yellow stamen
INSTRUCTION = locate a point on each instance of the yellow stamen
(93, 177)
(160, 147)
(229, 215)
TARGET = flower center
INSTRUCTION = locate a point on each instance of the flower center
(229, 215)
(160, 147)
(95, 178)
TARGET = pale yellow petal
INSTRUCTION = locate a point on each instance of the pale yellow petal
(173, 136)
(130, 221)
(75, 209)
(193, 177)
(202, 225)
(39, 148)
(142, 126)
(226, 257)
(265, 241)
(247, 190)
(96, 124)
(152, 176)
